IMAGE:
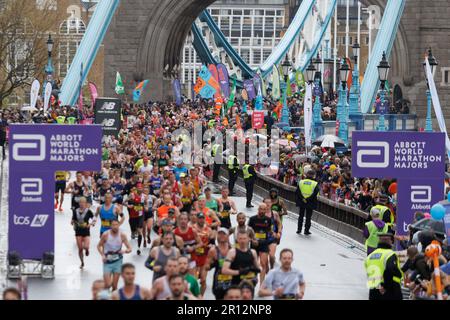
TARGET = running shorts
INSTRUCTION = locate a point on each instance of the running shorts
(136, 223)
(60, 186)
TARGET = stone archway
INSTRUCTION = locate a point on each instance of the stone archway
(159, 28)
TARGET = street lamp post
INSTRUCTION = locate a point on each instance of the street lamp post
(189, 40)
(433, 64)
(383, 72)
(317, 110)
(286, 66)
(49, 67)
(355, 110)
(342, 103)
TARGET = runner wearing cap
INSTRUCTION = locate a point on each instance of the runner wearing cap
(216, 258)
(211, 217)
(165, 210)
(136, 205)
(201, 253)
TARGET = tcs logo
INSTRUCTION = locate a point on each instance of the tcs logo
(376, 151)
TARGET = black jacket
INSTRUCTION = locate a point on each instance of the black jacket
(310, 203)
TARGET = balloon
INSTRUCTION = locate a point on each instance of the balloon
(448, 196)
(437, 211)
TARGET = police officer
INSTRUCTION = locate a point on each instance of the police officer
(384, 274)
(306, 195)
(386, 214)
(249, 180)
(233, 170)
(215, 151)
(371, 230)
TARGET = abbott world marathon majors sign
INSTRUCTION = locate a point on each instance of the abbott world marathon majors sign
(415, 159)
(37, 151)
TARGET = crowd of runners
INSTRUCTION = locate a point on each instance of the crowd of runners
(184, 231)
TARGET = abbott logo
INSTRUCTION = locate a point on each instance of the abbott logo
(31, 189)
(420, 194)
(34, 142)
(381, 147)
(108, 106)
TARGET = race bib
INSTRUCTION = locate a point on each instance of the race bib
(260, 236)
(250, 275)
(106, 223)
(200, 251)
(224, 277)
(225, 214)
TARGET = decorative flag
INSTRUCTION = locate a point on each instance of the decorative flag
(94, 93)
(35, 86)
(120, 89)
(259, 100)
(138, 90)
(350, 74)
(215, 74)
(275, 83)
(47, 95)
(248, 85)
(224, 80)
(307, 116)
(177, 91)
(288, 87)
(206, 85)
(258, 81)
(300, 80)
(232, 95)
(80, 100)
(244, 106)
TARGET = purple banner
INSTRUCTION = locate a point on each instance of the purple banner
(447, 219)
(224, 80)
(177, 91)
(248, 85)
(378, 154)
(36, 152)
(416, 195)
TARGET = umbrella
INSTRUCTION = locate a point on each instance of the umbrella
(302, 157)
(329, 141)
(430, 224)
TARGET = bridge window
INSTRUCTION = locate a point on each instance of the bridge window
(71, 31)
(445, 76)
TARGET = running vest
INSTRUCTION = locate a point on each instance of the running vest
(186, 194)
(196, 184)
(372, 240)
(155, 183)
(262, 227)
(138, 202)
(204, 237)
(375, 265)
(221, 281)
(212, 204)
(242, 260)
(135, 296)
(208, 219)
(224, 216)
(307, 187)
(112, 247)
(161, 260)
(188, 237)
(106, 216)
(245, 170)
(118, 188)
(76, 197)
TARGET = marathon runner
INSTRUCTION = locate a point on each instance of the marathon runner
(242, 262)
(164, 211)
(156, 181)
(159, 256)
(148, 215)
(160, 288)
(188, 194)
(262, 225)
(177, 285)
(183, 265)
(136, 204)
(78, 190)
(211, 217)
(275, 236)
(108, 212)
(60, 186)
(130, 290)
(110, 248)
(81, 222)
(216, 258)
(168, 227)
(90, 183)
(243, 227)
(228, 207)
(191, 240)
(105, 187)
(211, 202)
(118, 186)
(201, 252)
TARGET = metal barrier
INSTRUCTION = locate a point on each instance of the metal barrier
(346, 220)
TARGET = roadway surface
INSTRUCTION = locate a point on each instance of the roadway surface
(332, 264)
